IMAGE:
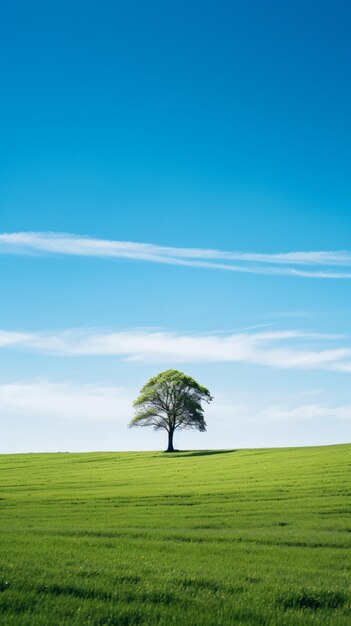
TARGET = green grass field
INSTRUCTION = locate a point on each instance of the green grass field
(207, 538)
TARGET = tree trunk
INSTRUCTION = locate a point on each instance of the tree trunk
(170, 440)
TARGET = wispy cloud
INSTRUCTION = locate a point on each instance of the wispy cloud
(65, 401)
(282, 349)
(313, 264)
(97, 403)
(8, 338)
(288, 411)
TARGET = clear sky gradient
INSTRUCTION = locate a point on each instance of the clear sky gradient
(192, 125)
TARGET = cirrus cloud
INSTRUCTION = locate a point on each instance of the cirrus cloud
(309, 264)
(94, 402)
(282, 349)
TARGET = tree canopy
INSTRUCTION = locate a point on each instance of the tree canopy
(171, 400)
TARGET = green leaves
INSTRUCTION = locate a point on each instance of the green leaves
(171, 400)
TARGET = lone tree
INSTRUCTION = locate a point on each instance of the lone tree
(171, 400)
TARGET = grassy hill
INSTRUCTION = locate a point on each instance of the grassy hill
(203, 538)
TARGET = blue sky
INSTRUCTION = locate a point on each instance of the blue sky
(192, 127)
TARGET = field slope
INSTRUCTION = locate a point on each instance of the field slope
(203, 538)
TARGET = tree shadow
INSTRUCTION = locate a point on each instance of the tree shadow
(191, 453)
